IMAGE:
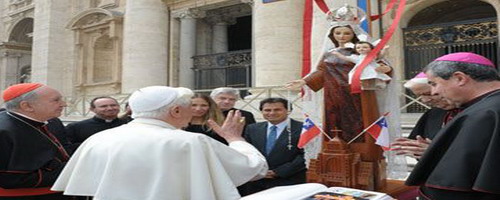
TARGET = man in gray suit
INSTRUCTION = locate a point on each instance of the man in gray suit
(277, 140)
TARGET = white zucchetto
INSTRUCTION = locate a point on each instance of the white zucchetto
(154, 97)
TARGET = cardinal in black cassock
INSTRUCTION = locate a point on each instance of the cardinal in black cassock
(32, 153)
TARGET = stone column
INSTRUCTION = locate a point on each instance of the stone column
(219, 38)
(277, 31)
(173, 68)
(145, 40)
(220, 20)
(187, 45)
(51, 41)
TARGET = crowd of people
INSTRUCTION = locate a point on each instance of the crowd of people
(215, 147)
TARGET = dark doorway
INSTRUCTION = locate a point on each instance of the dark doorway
(232, 68)
(240, 34)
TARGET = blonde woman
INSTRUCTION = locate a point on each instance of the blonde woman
(204, 108)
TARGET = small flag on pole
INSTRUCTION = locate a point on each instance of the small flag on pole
(309, 131)
(380, 133)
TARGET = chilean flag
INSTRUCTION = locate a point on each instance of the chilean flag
(309, 131)
(380, 132)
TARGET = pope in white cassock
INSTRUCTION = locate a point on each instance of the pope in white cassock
(152, 159)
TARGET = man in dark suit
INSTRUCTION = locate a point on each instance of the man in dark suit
(106, 111)
(277, 141)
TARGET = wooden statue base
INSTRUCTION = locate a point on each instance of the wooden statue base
(339, 166)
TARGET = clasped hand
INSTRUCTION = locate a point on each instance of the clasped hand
(410, 147)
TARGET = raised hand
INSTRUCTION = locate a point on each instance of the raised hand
(232, 127)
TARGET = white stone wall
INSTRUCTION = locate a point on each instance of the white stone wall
(277, 42)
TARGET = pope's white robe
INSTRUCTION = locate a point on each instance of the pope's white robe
(151, 160)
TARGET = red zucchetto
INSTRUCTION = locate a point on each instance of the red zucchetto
(19, 89)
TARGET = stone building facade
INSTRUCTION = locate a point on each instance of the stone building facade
(113, 47)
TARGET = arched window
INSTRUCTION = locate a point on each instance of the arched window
(17, 52)
(22, 32)
(98, 43)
